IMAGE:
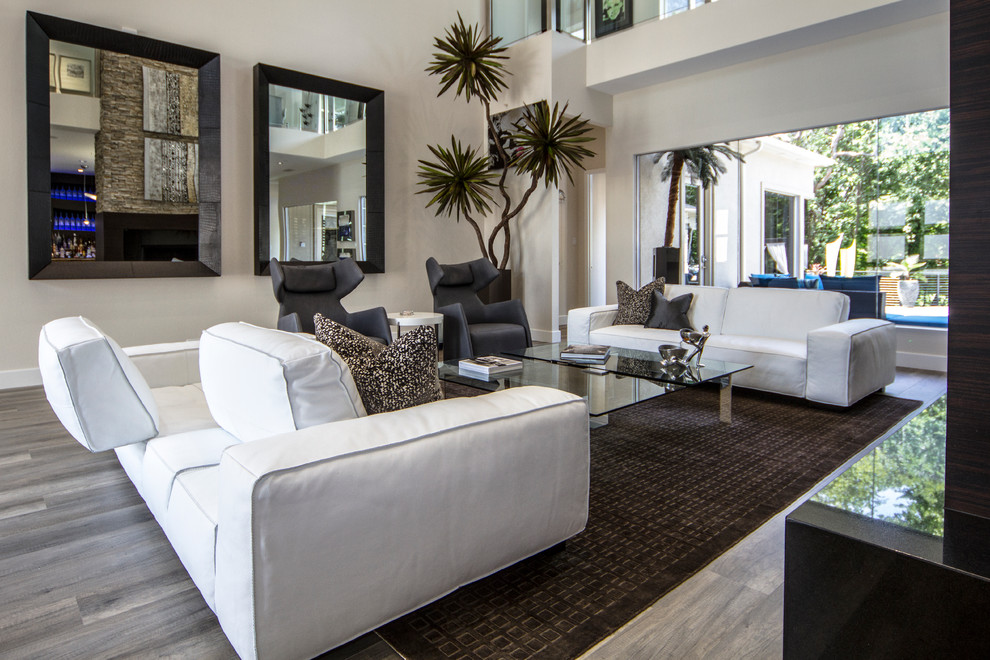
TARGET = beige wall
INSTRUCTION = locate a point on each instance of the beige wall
(384, 44)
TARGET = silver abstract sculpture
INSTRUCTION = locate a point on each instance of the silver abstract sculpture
(696, 340)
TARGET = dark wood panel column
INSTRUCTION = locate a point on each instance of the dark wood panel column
(967, 479)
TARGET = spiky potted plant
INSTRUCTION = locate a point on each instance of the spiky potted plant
(458, 179)
(909, 278)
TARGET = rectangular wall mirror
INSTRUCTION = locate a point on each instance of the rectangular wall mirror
(124, 154)
(319, 178)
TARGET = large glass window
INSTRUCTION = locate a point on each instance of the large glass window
(514, 20)
(868, 198)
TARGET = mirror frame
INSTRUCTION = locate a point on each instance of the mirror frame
(40, 30)
(374, 100)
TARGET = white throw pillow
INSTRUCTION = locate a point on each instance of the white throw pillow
(95, 390)
(261, 382)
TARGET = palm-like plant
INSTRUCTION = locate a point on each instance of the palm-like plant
(549, 144)
(703, 163)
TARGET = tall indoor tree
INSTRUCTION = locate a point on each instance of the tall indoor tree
(459, 179)
(704, 163)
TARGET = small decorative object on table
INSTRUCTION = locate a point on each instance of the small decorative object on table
(594, 353)
(487, 365)
(696, 340)
(672, 361)
(406, 312)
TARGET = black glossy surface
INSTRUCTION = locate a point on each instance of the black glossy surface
(875, 568)
(902, 481)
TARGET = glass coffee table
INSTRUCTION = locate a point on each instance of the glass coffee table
(626, 378)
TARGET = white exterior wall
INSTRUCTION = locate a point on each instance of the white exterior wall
(388, 43)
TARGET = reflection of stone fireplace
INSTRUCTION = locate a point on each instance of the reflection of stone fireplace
(130, 225)
(147, 237)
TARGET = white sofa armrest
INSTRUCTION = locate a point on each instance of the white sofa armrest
(164, 365)
(850, 360)
(353, 523)
(581, 322)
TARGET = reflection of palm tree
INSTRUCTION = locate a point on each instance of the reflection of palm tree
(702, 162)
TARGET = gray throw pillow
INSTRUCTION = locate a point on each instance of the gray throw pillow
(400, 375)
(670, 314)
(634, 306)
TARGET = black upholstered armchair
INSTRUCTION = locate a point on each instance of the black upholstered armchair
(302, 291)
(470, 327)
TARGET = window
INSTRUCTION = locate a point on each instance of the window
(853, 199)
(778, 233)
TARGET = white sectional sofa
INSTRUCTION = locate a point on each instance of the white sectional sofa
(799, 342)
(303, 521)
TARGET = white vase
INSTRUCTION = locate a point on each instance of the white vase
(907, 292)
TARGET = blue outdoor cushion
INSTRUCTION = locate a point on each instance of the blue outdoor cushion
(763, 279)
(831, 283)
(861, 283)
(783, 283)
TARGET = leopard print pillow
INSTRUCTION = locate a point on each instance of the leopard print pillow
(635, 306)
(400, 375)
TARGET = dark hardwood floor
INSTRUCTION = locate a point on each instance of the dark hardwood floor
(85, 571)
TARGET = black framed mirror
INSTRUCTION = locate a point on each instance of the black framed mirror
(319, 170)
(123, 141)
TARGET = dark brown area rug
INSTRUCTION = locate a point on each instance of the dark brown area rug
(671, 489)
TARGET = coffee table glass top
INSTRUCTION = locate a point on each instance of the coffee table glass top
(640, 364)
(605, 391)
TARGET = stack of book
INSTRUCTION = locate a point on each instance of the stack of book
(487, 365)
(590, 353)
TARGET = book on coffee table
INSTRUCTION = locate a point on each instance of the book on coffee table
(486, 365)
(585, 352)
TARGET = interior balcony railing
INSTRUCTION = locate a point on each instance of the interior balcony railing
(514, 20)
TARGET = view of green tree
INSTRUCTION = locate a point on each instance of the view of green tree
(908, 467)
(890, 160)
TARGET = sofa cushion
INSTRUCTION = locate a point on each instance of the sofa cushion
(166, 458)
(95, 390)
(670, 314)
(707, 306)
(260, 382)
(400, 375)
(758, 312)
(190, 523)
(779, 365)
(634, 306)
(636, 337)
(181, 409)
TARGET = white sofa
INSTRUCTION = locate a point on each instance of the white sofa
(304, 522)
(799, 342)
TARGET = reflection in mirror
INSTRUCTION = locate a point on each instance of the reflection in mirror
(319, 170)
(317, 150)
(128, 129)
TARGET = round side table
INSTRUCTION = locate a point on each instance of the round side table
(400, 320)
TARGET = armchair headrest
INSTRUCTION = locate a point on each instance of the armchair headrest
(476, 274)
(342, 276)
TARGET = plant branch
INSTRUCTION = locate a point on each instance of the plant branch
(477, 231)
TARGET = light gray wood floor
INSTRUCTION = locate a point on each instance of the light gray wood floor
(85, 571)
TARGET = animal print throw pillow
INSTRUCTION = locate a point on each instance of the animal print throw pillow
(400, 375)
(635, 306)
